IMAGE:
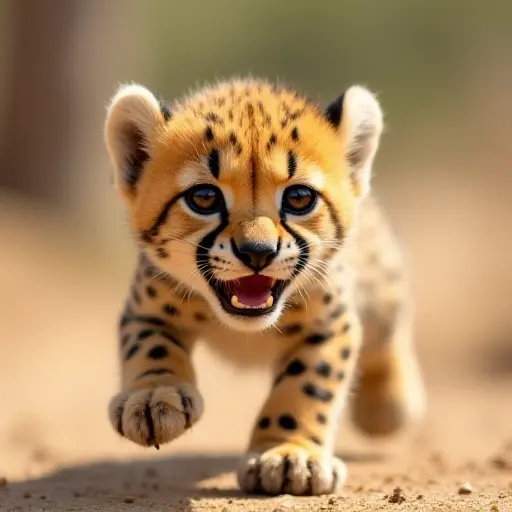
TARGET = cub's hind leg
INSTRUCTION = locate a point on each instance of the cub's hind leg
(389, 389)
(159, 400)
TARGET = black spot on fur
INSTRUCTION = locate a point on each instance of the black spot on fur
(172, 339)
(295, 134)
(214, 118)
(143, 319)
(151, 292)
(338, 311)
(230, 114)
(289, 330)
(209, 134)
(323, 368)
(334, 111)
(345, 353)
(162, 253)
(136, 296)
(131, 352)
(158, 352)
(321, 418)
(316, 440)
(214, 163)
(292, 164)
(264, 422)
(146, 333)
(316, 392)
(287, 421)
(170, 310)
(345, 328)
(146, 237)
(232, 139)
(327, 298)
(295, 367)
(272, 141)
(200, 317)
(316, 339)
(295, 115)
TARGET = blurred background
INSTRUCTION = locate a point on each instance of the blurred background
(443, 73)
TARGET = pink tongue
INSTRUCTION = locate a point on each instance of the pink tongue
(253, 290)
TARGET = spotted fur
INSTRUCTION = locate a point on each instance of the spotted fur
(341, 296)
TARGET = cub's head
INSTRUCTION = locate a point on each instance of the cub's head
(243, 191)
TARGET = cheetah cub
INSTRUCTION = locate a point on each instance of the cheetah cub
(257, 233)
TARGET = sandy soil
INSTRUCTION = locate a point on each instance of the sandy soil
(58, 452)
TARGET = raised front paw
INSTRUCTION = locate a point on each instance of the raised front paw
(291, 469)
(155, 416)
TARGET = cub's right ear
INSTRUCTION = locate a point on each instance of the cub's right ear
(134, 116)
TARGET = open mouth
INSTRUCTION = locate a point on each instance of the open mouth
(254, 295)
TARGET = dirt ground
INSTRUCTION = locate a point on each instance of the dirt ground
(58, 453)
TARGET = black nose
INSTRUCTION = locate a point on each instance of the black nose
(256, 255)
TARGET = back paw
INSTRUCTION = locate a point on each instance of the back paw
(388, 399)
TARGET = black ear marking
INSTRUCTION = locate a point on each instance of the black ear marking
(166, 111)
(334, 111)
(136, 159)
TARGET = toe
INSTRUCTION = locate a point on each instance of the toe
(295, 472)
(151, 417)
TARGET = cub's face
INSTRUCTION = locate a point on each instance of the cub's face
(244, 191)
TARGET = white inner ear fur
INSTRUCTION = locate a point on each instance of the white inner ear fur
(364, 123)
(133, 116)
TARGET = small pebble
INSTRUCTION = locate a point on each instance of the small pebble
(420, 497)
(397, 496)
(128, 499)
(465, 488)
(500, 462)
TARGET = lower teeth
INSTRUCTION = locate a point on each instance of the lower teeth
(239, 305)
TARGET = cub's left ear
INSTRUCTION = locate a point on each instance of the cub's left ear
(134, 117)
(357, 117)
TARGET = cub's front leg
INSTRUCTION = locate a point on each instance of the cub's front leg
(159, 400)
(291, 450)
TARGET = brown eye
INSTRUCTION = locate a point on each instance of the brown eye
(299, 200)
(205, 199)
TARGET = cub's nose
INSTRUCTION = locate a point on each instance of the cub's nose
(256, 255)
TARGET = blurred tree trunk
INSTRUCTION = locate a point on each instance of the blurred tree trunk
(33, 152)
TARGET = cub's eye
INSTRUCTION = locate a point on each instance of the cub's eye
(299, 200)
(205, 199)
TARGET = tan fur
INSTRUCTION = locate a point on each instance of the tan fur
(351, 293)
